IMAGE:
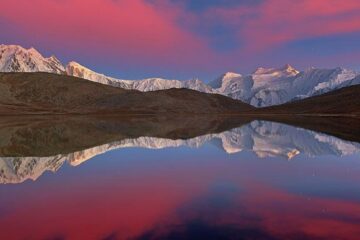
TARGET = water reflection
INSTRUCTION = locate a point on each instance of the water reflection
(223, 179)
(264, 138)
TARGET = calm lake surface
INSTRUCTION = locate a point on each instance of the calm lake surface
(258, 180)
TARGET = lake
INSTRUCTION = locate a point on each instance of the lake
(177, 178)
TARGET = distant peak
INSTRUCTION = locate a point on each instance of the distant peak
(262, 70)
(76, 69)
(287, 69)
(228, 76)
(27, 60)
(287, 66)
(73, 63)
(33, 51)
(14, 48)
(77, 65)
(53, 57)
(17, 49)
(231, 74)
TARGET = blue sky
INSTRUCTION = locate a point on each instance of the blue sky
(186, 39)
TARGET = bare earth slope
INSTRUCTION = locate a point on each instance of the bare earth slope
(344, 102)
(45, 93)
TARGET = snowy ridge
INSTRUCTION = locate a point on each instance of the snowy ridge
(265, 139)
(15, 58)
(144, 85)
(264, 87)
(77, 70)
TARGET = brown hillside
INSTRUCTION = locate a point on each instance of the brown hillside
(44, 93)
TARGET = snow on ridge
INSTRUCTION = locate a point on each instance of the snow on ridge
(14, 58)
(264, 87)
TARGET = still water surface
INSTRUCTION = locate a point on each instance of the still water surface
(260, 180)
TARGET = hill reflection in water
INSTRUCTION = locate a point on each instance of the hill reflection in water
(33, 145)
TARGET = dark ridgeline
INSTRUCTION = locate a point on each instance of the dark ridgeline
(343, 101)
(45, 93)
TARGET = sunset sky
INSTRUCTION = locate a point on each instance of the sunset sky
(184, 38)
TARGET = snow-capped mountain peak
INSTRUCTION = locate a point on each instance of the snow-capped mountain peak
(221, 81)
(77, 70)
(231, 75)
(14, 58)
(262, 70)
(285, 71)
(290, 69)
(273, 86)
(148, 84)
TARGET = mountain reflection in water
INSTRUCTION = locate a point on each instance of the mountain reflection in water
(206, 180)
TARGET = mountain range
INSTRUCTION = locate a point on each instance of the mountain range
(262, 88)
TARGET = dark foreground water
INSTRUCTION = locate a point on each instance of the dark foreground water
(259, 180)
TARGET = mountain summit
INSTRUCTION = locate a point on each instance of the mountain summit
(272, 86)
(14, 58)
(286, 70)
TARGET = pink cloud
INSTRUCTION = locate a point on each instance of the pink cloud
(161, 34)
(275, 22)
(131, 29)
